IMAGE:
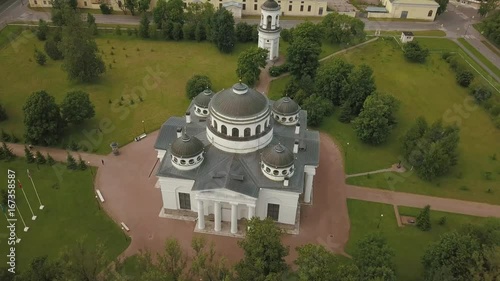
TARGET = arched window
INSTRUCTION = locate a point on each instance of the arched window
(269, 20)
(257, 130)
(277, 18)
(175, 159)
(215, 125)
(246, 133)
(199, 158)
(223, 129)
(284, 172)
(183, 162)
(276, 172)
(430, 13)
(268, 170)
(276, 117)
(283, 119)
(235, 132)
(267, 124)
(198, 109)
(290, 119)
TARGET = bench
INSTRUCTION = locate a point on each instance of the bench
(99, 195)
(140, 137)
(124, 226)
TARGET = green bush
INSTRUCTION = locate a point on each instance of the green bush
(276, 71)
(105, 9)
(464, 77)
(480, 93)
(286, 35)
(3, 114)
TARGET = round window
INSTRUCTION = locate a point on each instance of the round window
(268, 170)
(205, 111)
(284, 172)
(191, 161)
(276, 172)
(183, 162)
(199, 158)
(283, 119)
(290, 119)
(175, 160)
(291, 169)
(262, 166)
(198, 110)
(277, 117)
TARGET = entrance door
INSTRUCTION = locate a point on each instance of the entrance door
(404, 14)
(226, 211)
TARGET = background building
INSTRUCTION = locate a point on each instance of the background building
(405, 9)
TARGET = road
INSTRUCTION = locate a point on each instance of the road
(456, 22)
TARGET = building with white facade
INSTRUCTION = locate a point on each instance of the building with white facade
(236, 155)
(269, 28)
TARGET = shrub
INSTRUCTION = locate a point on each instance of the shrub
(446, 55)
(196, 85)
(424, 219)
(464, 77)
(42, 30)
(3, 114)
(414, 53)
(4, 136)
(244, 32)
(40, 159)
(276, 71)
(480, 93)
(14, 138)
(81, 164)
(442, 220)
(52, 49)
(71, 162)
(50, 160)
(40, 57)
(73, 146)
(105, 9)
(28, 155)
(118, 30)
(495, 110)
(286, 35)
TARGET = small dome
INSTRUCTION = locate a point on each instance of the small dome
(240, 101)
(286, 106)
(270, 5)
(203, 98)
(277, 156)
(186, 146)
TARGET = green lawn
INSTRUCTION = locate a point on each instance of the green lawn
(409, 243)
(429, 90)
(479, 56)
(71, 212)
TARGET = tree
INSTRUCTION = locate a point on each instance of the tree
(308, 31)
(81, 59)
(81, 164)
(243, 32)
(41, 269)
(432, 151)
(342, 29)
(360, 84)
(302, 57)
(167, 28)
(105, 9)
(28, 155)
(39, 158)
(188, 31)
(40, 57)
(196, 85)
(50, 160)
(332, 78)
(76, 107)
(442, 6)
(374, 258)
(223, 30)
(487, 6)
(464, 77)
(173, 260)
(3, 114)
(316, 263)
(6, 152)
(480, 93)
(490, 27)
(42, 30)
(160, 13)
(199, 32)
(130, 5)
(144, 27)
(263, 252)
(42, 119)
(143, 5)
(82, 262)
(317, 108)
(374, 123)
(249, 63)
(177, 31)
(52, 49)
(175, 11)
(71, 162)
(204, 265)
(414, 53)
(424, 219)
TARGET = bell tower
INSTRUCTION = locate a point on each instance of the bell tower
(269, 28)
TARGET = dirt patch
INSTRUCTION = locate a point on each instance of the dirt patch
(406, 220)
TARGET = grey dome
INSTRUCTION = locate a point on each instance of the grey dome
(203, 98)
(271, 5)
(277, 156)
(186, 146)
(286, 106)
(240, 101)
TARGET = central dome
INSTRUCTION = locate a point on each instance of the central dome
(240, 101)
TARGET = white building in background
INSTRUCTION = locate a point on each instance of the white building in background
(234, 156)
(269, 28)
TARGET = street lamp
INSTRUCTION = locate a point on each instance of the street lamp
(346, 150)
(380, 220)
(143, 127)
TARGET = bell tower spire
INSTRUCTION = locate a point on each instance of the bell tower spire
(269, 28)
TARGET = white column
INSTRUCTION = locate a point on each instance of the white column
(217, 216)
(234, 218)
(201, 215)
(309, 185)
(251, 211)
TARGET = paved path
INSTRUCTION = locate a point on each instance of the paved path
(419, 201)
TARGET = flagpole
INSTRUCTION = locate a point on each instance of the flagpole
(25, 227)
(27, 201)
(36, 192)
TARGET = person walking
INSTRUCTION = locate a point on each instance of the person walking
(102, 161)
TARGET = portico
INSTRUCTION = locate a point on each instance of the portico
(216, 202)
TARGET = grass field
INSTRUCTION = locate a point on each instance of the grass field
(71, 212)
(409, 243)
(480, 57)
(157, 71)
(429, 90)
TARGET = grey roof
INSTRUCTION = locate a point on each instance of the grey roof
(203, 98)
(278, 156)
(186, 146)
(238, 172)
(247, 103)
(408, 33)
(270, 5)
(286, 106)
